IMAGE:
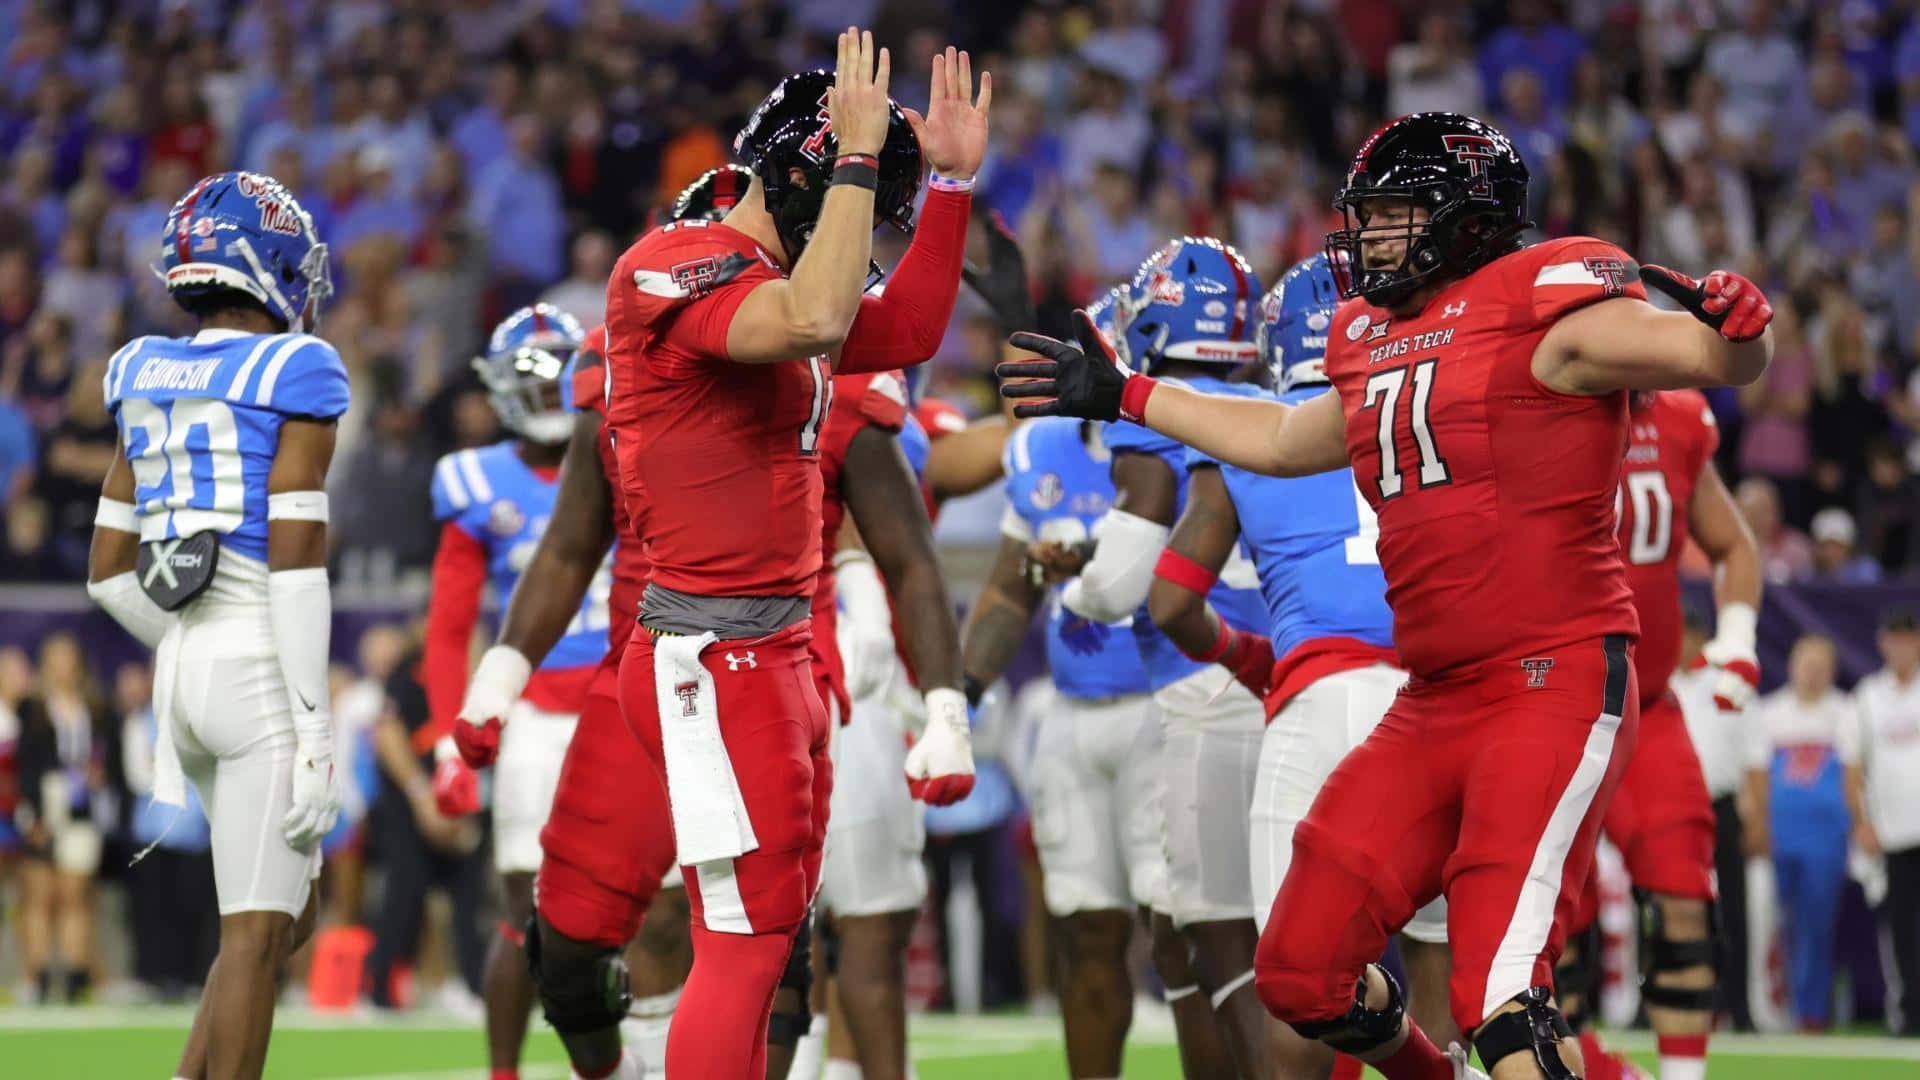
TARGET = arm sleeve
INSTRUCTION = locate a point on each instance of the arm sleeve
(459, 573)
(300, 610)
(1115, 582)
(904, 325)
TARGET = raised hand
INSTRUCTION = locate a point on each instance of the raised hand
(1084, 380)
(857, 104)
(953, 134)
(1003, 284)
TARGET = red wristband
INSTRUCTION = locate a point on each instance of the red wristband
(1221, 645)
(1133, 398)
(1184, 572)
(856, 159)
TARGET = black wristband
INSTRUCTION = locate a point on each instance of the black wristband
(970, 686)
(858, 174)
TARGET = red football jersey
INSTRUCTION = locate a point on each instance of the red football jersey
(725, 453)
(630, 569)
(1494, 493)
(1670, 441)
(871, 400)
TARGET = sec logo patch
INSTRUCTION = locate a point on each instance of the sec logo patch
(1048, 491)
(505, 518)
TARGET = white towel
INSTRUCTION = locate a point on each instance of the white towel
(710, 820)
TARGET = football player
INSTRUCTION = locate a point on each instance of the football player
(1312, 542)
(210, 545)
(1480, 398)
(494, 503)
(1189, 314)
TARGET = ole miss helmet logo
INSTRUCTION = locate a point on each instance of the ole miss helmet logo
(1611, 271)
(1475, 151)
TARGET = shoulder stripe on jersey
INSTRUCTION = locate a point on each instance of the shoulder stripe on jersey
(1022, 456)
(264, 396)
(449, 478)
(475, 476)
(1567, 273)
(655, 283)
(116, 368)
(238, 388)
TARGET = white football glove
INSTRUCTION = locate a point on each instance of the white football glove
(496, 684)
(316, 797)
(940, 764)
(865, 635)
(1732, 652)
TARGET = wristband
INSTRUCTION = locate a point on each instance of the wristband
(958, 185)
(1222, 644)
(856, 174)
(1133, 398)
(857, 159)
(1736, 626)
(1184, 572)
(116, 515)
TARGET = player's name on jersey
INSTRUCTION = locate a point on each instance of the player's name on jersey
(190, 375)
(1401, 346)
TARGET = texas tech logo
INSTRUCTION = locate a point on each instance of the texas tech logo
(815, 148)
(1537, 668)
(1475, 151)
(698, 277)
(1611, 271)
(689, 695)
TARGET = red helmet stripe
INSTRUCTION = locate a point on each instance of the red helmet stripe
(186, 219)
(1239, 297)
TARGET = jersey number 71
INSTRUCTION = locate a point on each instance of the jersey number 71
(1383, 394)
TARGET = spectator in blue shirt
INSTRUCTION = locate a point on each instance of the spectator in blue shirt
(516, 203)
(1549, 49)
(1835, 557)
(379, 210)
(1759, 69)
(481, 135)
(18, 457)
(297, 125)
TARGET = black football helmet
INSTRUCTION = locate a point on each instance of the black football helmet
(790, 130)
(715, 193)
(1471, 181)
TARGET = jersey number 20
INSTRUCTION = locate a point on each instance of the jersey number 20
(197, 479)
(1383, 394)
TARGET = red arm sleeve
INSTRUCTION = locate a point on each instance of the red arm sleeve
(459, 573)
(903, 326)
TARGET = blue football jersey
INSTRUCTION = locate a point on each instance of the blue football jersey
(1236, 595)
(200, 420)
(1057, 488)
(494, 497)
(914, 444)
(1312, 541)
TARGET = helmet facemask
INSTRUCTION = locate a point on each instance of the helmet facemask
(523, 386)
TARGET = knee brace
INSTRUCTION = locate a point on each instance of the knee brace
(1580, 976)
(583, 987)
(1360, 1029)
(1660, 953)
(1537, 1027)
(786, 1028)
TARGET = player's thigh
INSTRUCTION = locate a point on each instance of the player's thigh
(1544, 762)
(1074, 811)
(608, 840)
(1210, 758)
(1661, 816)
(1298, 750)
(875, 834)
(533, 750)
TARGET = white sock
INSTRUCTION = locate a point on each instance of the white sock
(809, 1050)
(628, 1069)
(842, 1070)
(1683, 1068)
(644, 1031)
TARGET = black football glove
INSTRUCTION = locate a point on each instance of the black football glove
(1728, 303)
(1003, 284)
(1084, 380)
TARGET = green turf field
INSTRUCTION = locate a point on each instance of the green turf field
(116, 1044)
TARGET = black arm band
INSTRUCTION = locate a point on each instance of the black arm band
(857, 174)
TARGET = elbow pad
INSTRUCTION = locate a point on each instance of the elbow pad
(1114, 583)
(300, 609)
(121, 597)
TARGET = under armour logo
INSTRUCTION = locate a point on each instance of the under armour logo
(689, 693)
(1537, 668)
(735, 663)
(1611, 271)
(1452, 310)
(162, 567)
(1474, 151)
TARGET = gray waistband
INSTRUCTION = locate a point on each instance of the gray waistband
(728, 617)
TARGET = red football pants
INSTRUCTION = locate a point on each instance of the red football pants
(1661, 818)
(608, 839)
(1489, 788)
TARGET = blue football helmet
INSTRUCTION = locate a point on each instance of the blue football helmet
(526, 357)
(1294, 317)
(1105, 313)
(1193, 300)
(244, 232)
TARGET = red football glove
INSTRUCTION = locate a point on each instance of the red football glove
(456, 788)
(1250, 658)
(1731, 305)
(479, 744)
